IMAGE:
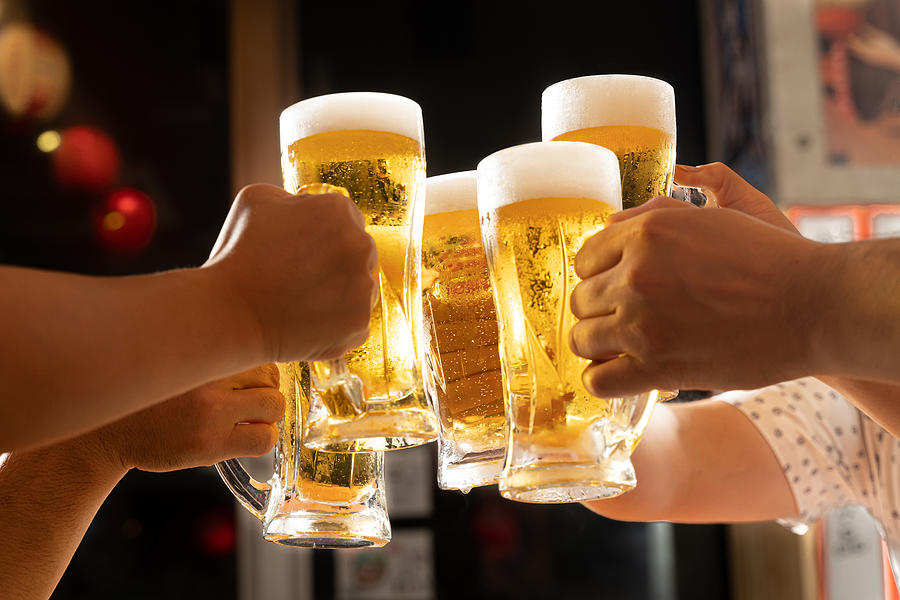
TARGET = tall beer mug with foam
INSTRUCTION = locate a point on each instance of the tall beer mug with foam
(371, 145)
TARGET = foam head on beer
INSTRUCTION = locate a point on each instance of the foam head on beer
(549, 170)
(631, 115)
(373, 111)
(447, 193)
(604, 100)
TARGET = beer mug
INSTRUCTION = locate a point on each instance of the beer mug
(464, 375)
(538, 203)
(631, 115)
(314, 499)
(371, 145)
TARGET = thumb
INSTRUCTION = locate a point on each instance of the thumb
(731, 191)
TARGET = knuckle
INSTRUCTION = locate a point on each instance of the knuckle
(651, 226)
(249, 196)
(582, 261)
(262, 441)
(275, 404)
(576, 338)
(268, 374)
(592, 380)
(639, 278)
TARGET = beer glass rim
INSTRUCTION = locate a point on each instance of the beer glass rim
(343, 111)
(548, 169)
(604, 100)
(450, 192)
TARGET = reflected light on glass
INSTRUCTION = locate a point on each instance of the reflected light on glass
(49, 141)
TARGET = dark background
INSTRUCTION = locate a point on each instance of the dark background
(154, 76)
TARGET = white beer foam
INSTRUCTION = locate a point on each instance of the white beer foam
(601, 100)
(455, 191)
(549, 169)
(372, 111)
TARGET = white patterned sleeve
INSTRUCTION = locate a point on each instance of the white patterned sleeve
(817, 437)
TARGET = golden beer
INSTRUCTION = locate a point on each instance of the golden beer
(646, 158)
(314, 499)
(335, 478)
(538, 203)
(371, 145)
(632, 116)
(462, 323)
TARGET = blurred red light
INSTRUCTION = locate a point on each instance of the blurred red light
(87, 159)
(126, 221)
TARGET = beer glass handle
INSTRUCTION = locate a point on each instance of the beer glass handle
(692, 195)
(334, 375)
(252, 494)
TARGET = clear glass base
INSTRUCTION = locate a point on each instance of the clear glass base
(373, 431)
(558, 483)
(365, 529)
(473, 470)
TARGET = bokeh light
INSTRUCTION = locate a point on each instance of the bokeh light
(49, 141)
(125, 221)
(86, 159)
(35, 73)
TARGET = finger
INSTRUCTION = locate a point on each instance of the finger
(593, 297)
(252, 439)
(596, 338)
(263, 376)
(355, 213)
(621, 376)
(652, 204)
(600, 252)
(256, 405)
(728, 188)
(373, 257)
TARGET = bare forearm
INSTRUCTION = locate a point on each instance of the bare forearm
(47, 501)
(700, 463)
(100, 348)
(859, 314)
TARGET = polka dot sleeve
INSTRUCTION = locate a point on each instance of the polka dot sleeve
(818, 439)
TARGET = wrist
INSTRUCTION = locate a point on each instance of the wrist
(233, 315)
(829, 275)
(86, 459)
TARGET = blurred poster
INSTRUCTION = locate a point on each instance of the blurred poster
(402, 570)
(860, 67)
(733, 80)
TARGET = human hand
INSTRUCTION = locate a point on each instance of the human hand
(301, 267)
(730, 190)
(223, 419)
(875, 47)
(678, 297)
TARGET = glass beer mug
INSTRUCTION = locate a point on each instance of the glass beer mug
(314, 499)
(631, 115)
(370, 146)
(538, 203)
(464, 375)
